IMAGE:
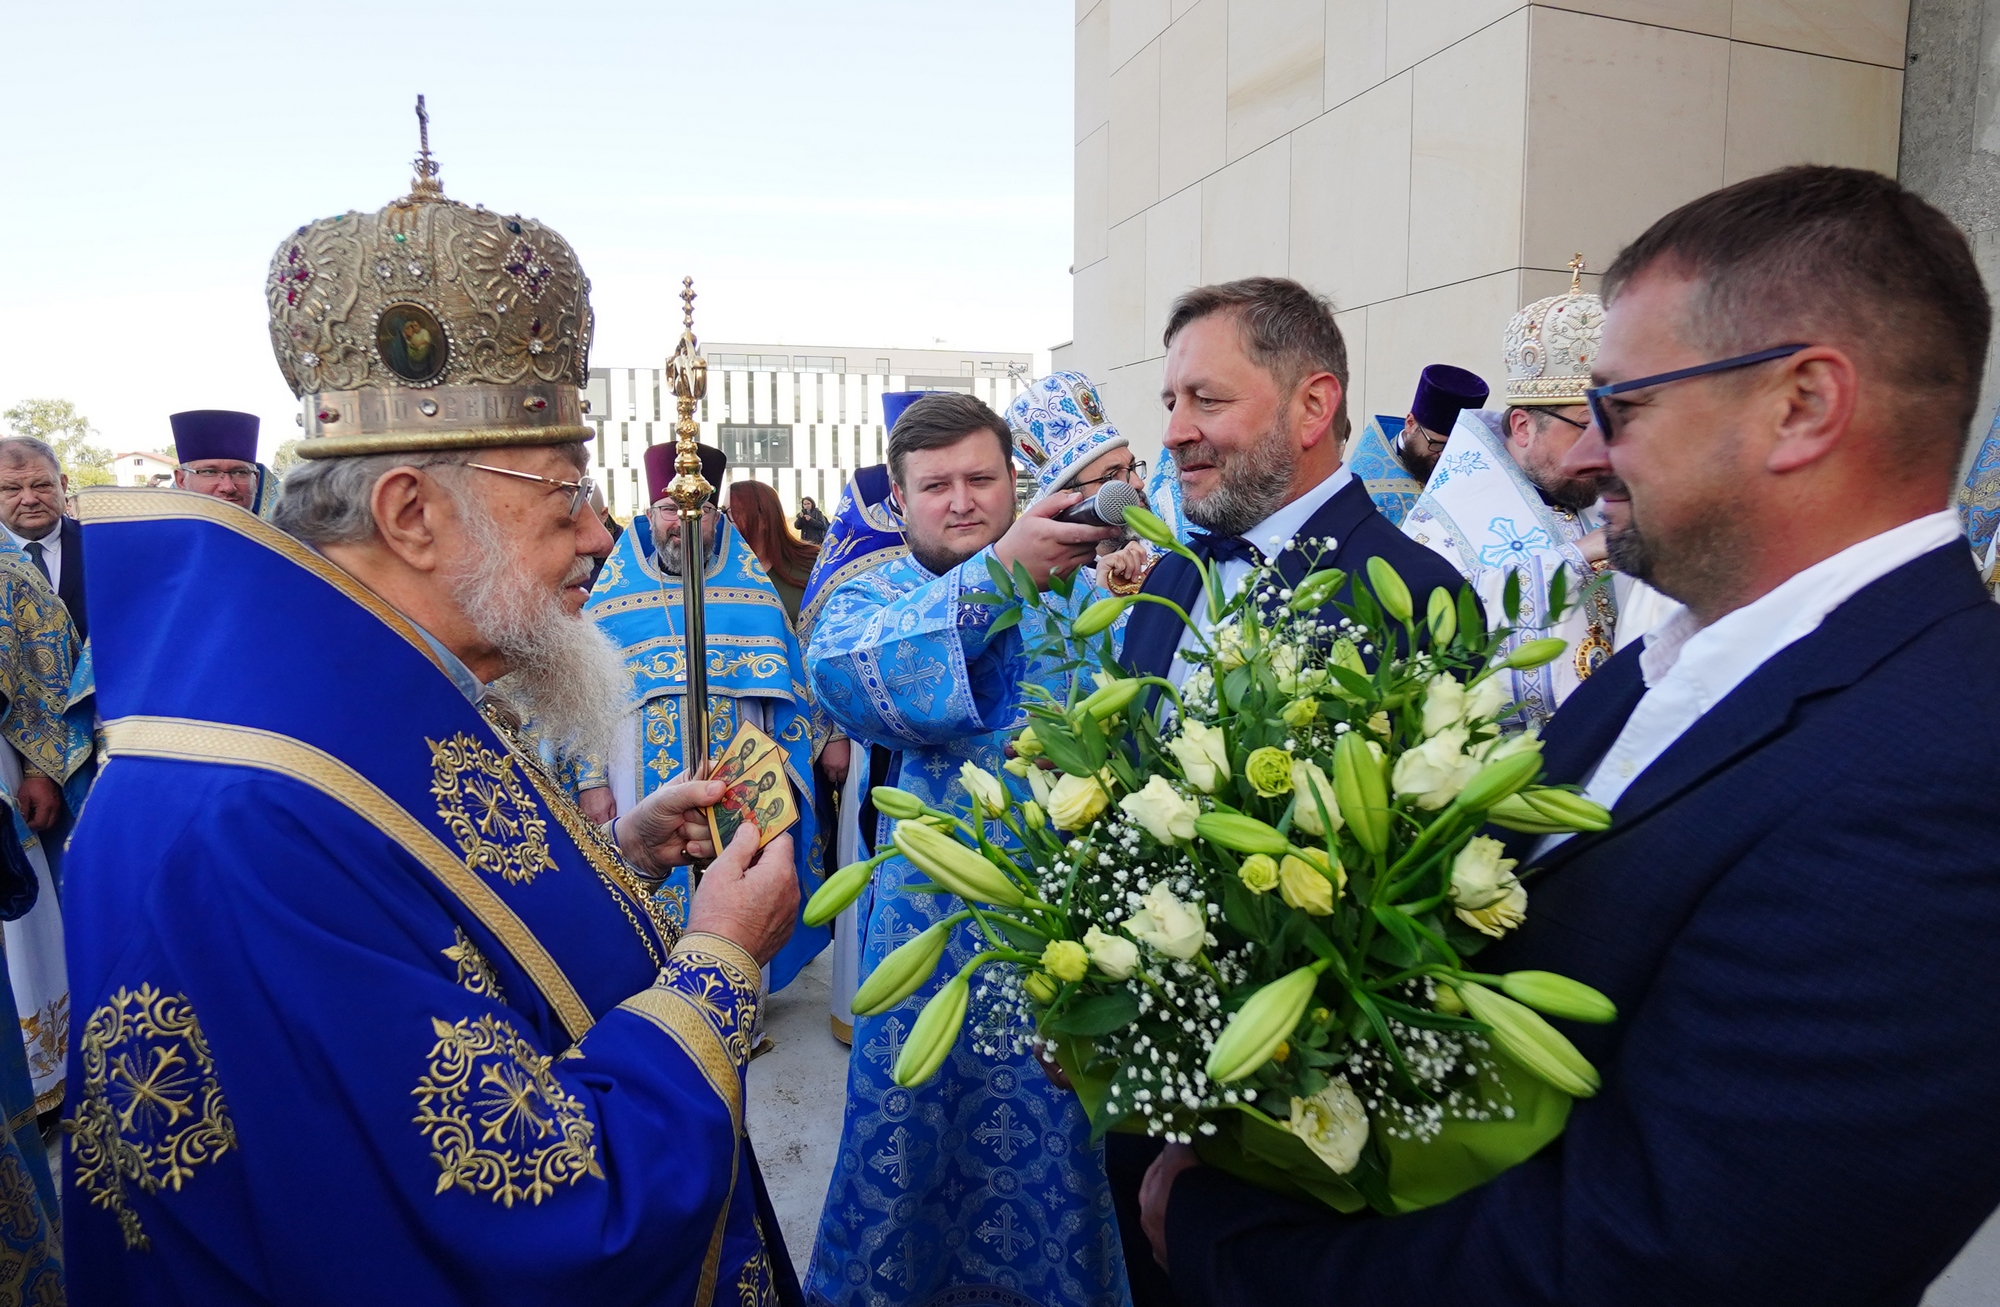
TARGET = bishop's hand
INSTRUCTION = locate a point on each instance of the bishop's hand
(749, 896)
(667, 828)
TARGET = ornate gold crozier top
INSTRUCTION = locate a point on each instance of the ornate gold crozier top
(687, 370)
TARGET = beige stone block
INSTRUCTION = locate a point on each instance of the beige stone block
(1131, 397)
(1246, 216)
(1625, 122)
(1135, 134)
(1194, 95)
(1869, 30)
(1090, 318)
(1084, 7)
(1134, 24)
(1183, 6)
(1467, 137)
(1173, 260)
(1787, 108)
(1126, 314)
(1357, 49)
(1418, 29)
(1093, 70)
(1091, 199)
(1460, 324)
(1350, 229)
(1540, 283)
(1353, 325)
(1710, 17)
(1277, 69)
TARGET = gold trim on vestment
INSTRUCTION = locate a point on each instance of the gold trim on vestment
(186, 740)
(139, 504)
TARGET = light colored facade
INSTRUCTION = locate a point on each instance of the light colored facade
(800, 418)
(142, 468)
(1431, 165)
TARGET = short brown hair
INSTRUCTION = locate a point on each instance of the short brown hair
(1287, 330)
(945, 418)
(1824, 255)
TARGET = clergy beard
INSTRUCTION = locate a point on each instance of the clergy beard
(670, 552)
(563, 674)
(1544, 471)
(1250, 483)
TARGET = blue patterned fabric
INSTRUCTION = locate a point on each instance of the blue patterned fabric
(1979, 501)
(752, 655)
(979, 1188)
(1059, 427)
(368, 1012)
(866, 531)
(1372, 457)
(1163, 496)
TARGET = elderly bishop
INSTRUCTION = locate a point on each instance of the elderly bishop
(368, 1010)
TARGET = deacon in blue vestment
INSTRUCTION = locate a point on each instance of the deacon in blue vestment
(979, 1188)
(756, 673)
(368, 1011)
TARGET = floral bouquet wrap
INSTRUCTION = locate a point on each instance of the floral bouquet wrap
(1243, 914)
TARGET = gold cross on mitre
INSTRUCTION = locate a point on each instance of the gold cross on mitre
(1575, 266)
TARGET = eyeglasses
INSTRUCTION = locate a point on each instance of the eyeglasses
(240, 475)
(1580, 426)
(1136, 468)
(579, 489)
(1600, 412)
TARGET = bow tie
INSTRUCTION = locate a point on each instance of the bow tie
(1224, 549)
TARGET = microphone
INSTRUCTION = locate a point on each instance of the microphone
(1105, 508)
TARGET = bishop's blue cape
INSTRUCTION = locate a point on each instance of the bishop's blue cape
(752, 655)
(1372, 456)
(369, 1013)
(979, 1188)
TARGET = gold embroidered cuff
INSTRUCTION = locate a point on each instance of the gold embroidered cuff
(735, 960)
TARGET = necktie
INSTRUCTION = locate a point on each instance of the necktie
(35, 556)
(1224, 549)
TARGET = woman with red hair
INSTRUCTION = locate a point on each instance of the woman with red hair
(754, 509)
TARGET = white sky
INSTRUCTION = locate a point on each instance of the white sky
(887, 172)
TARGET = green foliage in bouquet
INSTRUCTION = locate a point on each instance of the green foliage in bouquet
(1245, 918)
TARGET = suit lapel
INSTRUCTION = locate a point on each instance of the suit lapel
(1336, 520)
(1153, 632)
(1880, 619)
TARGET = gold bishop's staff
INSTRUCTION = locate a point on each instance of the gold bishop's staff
(688, 371)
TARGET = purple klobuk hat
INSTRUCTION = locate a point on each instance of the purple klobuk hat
(660, 468)
(214, 433)
(1443, 392)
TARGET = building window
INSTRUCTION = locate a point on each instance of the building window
(751, 362)
(882, 367)
(819, 363)
(756, 446)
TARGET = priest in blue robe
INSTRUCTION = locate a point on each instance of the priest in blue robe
(368, 1011)
(981, 1187)
(756, 673)
(1393, 457)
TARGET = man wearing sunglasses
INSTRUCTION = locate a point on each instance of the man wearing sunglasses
(1797, 1100)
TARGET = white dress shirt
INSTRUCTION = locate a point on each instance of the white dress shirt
(1690, 668)
(51, 551)
(1271, 536)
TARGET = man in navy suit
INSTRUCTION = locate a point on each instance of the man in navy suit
(1801, 886)
(1255, 385)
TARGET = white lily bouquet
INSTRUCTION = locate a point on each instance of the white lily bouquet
(1246, 922)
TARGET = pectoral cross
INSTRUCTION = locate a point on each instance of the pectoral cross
(1576, 274)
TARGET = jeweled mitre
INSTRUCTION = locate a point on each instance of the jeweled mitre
(1550, 346)
(430, 325)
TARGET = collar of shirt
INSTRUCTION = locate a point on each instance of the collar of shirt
(50, 543)
(1274, 534)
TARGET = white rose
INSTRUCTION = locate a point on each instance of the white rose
(1485, 700)
(1076, 800)
(1167, 924)
(1506, 746)
(1480, 877)
(1444, 704)
(1160, 808)
(1308, 780)
(1436, 770)
(1333, 1124)
(1496, 919)
(1114, 955)
(984, 788)
(1203, 754)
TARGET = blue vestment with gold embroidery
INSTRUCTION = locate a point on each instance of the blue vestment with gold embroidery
(752, 655)
(979, 1188)
(1372, 457)
(368, 1011)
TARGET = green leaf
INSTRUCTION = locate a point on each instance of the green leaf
(1398, 925)
(1416, 1016)
(1471, 619)
(1354, 683)
(1249, 913)
(983, 597)
(1558, 595)
(1235, 686)
(1018, 935)
(1510, 597)
(1062, 747)
(1064, 586)
(1012, 617)
(1090, 735)
(999, 575)
(1024, 586)
(1098, 1015)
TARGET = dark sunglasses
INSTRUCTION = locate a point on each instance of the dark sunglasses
(1600, 412)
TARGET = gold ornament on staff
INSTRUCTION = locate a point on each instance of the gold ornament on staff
(689, 490)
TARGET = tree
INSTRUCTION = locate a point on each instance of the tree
(68, 432)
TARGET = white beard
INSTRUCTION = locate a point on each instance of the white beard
(564, 674)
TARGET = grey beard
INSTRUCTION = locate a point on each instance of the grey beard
(564, 677)
(1251, 485)
(669, 551)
